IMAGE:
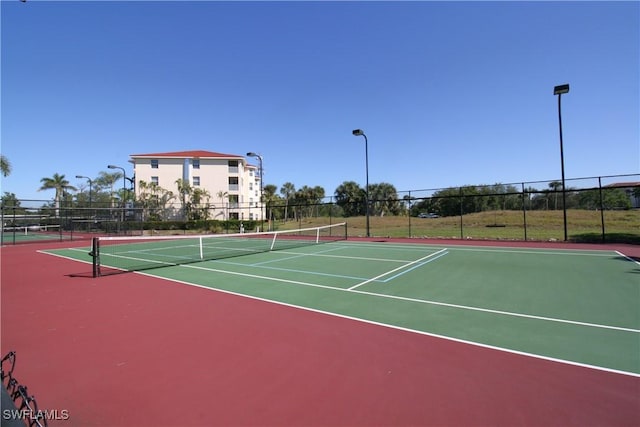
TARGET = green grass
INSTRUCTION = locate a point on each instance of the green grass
(582, 226)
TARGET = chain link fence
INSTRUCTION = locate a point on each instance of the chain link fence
(594, 209)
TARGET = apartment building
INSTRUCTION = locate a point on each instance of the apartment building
(229, 175)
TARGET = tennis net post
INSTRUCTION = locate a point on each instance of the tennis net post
(95, 256)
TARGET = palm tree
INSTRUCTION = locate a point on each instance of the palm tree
(186, 191)
(5, 166)
(107, 180)
(407, 200)
(555, 186)
(383, 197)
(317, 194)
(222, 195)
(58, 183)
(350, 197)
(154, 199)
(287, 190)
(200, 198)
(269, 195)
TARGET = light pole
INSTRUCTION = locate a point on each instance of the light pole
(259, 157)
(359, 132)
(559, 90)
(124, 186)
(90, 185)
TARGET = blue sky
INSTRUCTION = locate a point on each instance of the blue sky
(448, 93)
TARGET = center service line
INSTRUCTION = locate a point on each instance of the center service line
(414, 267)
(396, 269)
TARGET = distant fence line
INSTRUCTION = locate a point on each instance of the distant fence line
(472, 211)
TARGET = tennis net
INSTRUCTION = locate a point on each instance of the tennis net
(134, 253)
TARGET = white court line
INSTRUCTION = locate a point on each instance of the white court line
(396, 269)
(504, 249)
(360, 258)
(477, 344)
(416, 300)
(628, 258)
(421, 301)
(372, 322)
(294, 255)
(388, 279)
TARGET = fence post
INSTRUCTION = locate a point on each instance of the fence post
(461, 213)
(409, 214)
(601, 207)
(524, 213)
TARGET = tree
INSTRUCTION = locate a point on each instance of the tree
(287, 190)
(11, 206)
(407, 200)
(10, 200)
(222, 195)
(310, 197)
(384, 199)
(107, 180)
(350, 197)
(269, 196)
(5, 166)
(153, 199)
(612, 198)
(58, 183)
(555, 187)
(185, 191)
(200, 203)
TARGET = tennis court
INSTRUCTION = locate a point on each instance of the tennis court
(19, 234)
(579, 307)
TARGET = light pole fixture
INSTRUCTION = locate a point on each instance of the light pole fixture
(259, 157)
(90, 185)
(559, 90)
(360, 132)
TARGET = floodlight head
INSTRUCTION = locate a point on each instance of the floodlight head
(559, 90)
(357, 132)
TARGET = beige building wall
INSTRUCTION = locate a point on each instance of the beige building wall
(216, 173)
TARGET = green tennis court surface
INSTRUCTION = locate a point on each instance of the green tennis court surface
(575, 306)
(27, 234)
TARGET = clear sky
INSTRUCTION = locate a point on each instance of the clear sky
(448, 93)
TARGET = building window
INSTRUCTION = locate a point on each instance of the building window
(233, 166)
(196, 181)
(154, 163)
(233, 183)
(154, 180)
(196, 163)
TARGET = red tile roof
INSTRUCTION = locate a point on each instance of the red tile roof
(189, 154)
(624, 184)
